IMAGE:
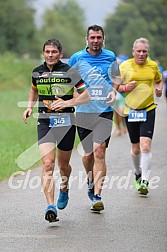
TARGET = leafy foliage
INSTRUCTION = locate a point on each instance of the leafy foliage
(65, 21)
(19, 34)
(17, 29)
(134, 19)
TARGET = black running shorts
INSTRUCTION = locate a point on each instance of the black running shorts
(141, 129)
(63, 137)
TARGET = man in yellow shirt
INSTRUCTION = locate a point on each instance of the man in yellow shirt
(141, 79)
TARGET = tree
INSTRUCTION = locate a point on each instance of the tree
(134, 19)
(17, 28)
(65, 21)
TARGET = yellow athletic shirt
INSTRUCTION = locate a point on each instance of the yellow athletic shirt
(145, 76)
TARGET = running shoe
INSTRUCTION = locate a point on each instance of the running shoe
(62, 200)
(143, 189)
(97, 204)
(137, 181)
(51, 213)
(90, 189)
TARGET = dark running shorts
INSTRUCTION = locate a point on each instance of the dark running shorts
(63, 137)
(94, 128)
(141, 129)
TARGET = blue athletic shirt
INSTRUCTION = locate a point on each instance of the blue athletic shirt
(96, 72)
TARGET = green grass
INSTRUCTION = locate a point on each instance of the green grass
(16, 137)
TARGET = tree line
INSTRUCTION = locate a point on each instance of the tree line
(138, 18)
(66, 22)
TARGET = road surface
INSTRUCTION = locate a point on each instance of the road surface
(129, 222)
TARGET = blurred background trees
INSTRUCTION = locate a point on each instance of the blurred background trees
(138, 18)
(17, 29)
(66, 21)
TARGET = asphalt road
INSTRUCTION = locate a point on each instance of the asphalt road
(129, 222)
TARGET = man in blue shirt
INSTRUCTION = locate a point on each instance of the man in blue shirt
(99, 70)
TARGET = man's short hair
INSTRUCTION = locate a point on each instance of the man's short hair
(95, 28)
(53, 42)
